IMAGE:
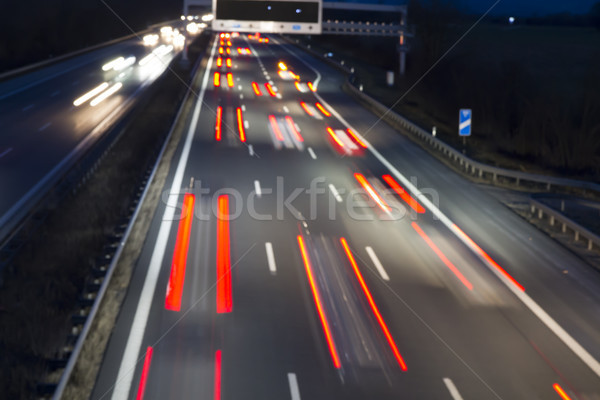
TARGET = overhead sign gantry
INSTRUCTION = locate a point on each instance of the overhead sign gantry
(278, 16)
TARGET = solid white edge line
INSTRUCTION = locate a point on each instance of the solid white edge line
(271, 257)
(294, 389)
(335, 193)
(138, 327)
(542, 315)
(312, 153)
(377, 263)
(452, 389)
(251, 149)
(257, 188)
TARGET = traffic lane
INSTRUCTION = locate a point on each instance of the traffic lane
(487, 323)
(107, 376)
(259, 336)
(268, 333)
(535, 260)
(122, 330)
(184, 340)
(50, 133)
(306, 209)
(22, 87)
(42, 142)
(414, 163)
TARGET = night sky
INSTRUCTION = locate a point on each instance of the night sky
(506, 7)
(528, 7)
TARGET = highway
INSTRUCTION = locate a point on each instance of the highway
(45, 128)
(353, 265)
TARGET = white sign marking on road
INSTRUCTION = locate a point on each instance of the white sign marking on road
(271, 258)
(377, 263)
(294, 389)
(257, 188)
(452, 389)
(335, 193)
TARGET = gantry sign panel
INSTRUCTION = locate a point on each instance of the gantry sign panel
(279, 16)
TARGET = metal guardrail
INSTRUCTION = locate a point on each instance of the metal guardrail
(540, 210)
(468, 165)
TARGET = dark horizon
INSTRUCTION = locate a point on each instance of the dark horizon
(509, 7)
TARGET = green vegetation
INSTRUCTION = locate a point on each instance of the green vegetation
(43, 285)
(534, 91)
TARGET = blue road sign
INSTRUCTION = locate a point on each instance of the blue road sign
(464, 122)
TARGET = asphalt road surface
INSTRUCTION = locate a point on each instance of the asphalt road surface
(343, 272)
(43, 129)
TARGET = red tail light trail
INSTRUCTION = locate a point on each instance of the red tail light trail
(367, 292)
(292, 126)
(323, 110)
(178, 265)
(317, 297)
(218, 361)
(411, 201)
(489, 259)
(372, 192)
(217, 79)
(442, 257)
(256, 89)
(356, 138)
(229, 79)
(334, 137)
(306, 109)
(240, 121)
(228, 63)
(145, 371)
(224, 296)
(218, 124)
(219, 62)
(275, 127)
(563, 395)
(270, 89)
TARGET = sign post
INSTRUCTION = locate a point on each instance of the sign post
(464, 125)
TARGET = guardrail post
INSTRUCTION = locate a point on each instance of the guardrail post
(494, 177)
(576, 235)
(562, 206)
(518, 181)
(540, 213)
(552, 220)
(590, 244)
(564, 227)
(548, 186)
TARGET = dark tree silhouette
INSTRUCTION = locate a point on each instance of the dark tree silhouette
(595, 15)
